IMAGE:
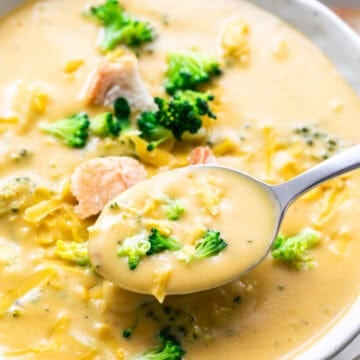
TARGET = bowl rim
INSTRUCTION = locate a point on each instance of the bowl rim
(342, 46)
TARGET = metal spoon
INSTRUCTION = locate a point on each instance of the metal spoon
(103, 244)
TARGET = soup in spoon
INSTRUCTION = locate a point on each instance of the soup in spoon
(184, 231)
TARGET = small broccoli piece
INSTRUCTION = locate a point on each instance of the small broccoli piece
(295, 249)
(174, 117)
(174, 209)
(127, 333)
(15, 195)
(105, 125)
(120, 27)
(210, 244)
(134, 248)
(159, 243)
(122, 112)
(187, 70)
(71, 131)
(152, 131)
(183, 112)
(169, 349)
(73, 251)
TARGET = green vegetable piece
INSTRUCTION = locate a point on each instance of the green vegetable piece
(73, 251)
(15, 195)
(295, 249)
(105, 125)
(151, 130)
(134, 248)
(120, 27)
(169, 349)
(174, 117)
(188, 70)
(71, 131)
(174, 209)
(122, 112)
(210, 244)
(159, 243)
(127, 333)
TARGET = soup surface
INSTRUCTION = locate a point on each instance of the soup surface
(211, 200)
(281, 108)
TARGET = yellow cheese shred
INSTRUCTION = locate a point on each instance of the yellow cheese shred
(53, 219)
(157, 157)
(163, 228)
(29, 102)
(331, 200)
(40, 102)
(90, 355)
(269, 145)
(234, 41)
(210, 194)
(40, 211)
(225, 147)
(161, 279)
(35, 280)
(73, 65)
(340, 241)
(7, 123)
(56, 342)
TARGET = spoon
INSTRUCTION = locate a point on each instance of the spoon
(248, 219)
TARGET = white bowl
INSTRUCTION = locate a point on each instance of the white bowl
(342, 46)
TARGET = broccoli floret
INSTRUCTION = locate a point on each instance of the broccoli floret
(134, 248)
(71, 131)
(187, 70)
(148, 124)
(159, 243)
(122, 112)
(170, 349)
(174, 117)
(295, 249)
(174, 209)
(120, 27)
(210, 244)
(15, 195)
(105, 125)
(73, 251)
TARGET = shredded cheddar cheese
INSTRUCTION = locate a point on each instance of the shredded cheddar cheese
(234, 41)
(163, 228)
(73, 65)
(33, 281)
(161, 278)
(269, 147)
(227, 146)
(40, 102)
(331, 199)
(157, 157)
(40, 211)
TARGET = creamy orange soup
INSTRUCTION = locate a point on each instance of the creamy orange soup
(281, 108)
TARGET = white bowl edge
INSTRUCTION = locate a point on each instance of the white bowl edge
(342, 46)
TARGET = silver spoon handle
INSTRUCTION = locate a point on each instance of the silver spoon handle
(344, 162)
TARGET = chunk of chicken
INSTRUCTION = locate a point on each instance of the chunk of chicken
(111, 80)
(97, 181)
(202, 155)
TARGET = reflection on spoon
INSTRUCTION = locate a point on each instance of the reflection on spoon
(198, 227)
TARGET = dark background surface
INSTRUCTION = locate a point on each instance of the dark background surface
(349, 10)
